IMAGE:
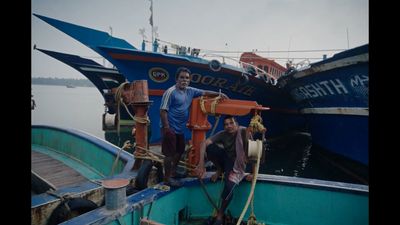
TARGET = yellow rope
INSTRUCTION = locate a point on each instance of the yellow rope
(256, 124)
(253, 185)
(202, 107)
(118, 100)
(141, 120)
(127, 144)
(158, 157)
(214, 103)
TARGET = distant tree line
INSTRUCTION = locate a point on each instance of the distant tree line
(62, 81)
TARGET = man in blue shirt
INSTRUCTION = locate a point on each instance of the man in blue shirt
(174, 112)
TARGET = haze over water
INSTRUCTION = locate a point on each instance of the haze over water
(79, 108)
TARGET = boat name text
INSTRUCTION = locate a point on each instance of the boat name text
(223, 84)
(330, 87)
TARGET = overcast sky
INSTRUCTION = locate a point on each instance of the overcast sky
(224, 25)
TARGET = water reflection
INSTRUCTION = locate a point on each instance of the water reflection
(290, 155)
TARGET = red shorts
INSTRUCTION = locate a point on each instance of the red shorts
(172, 143)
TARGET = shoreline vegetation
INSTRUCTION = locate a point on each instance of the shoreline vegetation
(62, 81)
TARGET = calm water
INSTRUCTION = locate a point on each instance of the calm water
(79, 108)
(293, 155)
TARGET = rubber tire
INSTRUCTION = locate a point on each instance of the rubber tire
(143, 174)
(77, 207)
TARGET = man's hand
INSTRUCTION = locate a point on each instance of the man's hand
(200, 171)
(166, 130)
(249, 177)
(224, 96)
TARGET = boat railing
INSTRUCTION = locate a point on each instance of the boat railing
(247, 68)
(300, 65)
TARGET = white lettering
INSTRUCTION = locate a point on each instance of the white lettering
(311, 90)
(325, 83)
(357, 80)
(305, 92)
(318, 89)
(339, 86)
(196, 78)
(206, 80)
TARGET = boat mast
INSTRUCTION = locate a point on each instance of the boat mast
(151, 21)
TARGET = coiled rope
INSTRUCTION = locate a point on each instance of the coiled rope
(256, 124)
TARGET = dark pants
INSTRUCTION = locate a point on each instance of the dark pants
(222, 161)
(172, 147)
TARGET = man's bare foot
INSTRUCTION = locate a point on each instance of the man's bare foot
(216, 175)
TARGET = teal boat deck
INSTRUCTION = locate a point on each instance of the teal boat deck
(73, 163)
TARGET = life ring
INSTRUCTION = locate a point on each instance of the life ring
(69, 209)
(142, 176)
(215, 65)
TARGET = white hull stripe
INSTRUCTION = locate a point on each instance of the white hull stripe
(333, 65)
(99, 70)
(338, 111)
(109, 80)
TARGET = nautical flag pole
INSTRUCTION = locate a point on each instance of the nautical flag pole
(151, 21)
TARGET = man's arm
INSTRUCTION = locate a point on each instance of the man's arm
(214, 94)
(200, 168)
(164, 119)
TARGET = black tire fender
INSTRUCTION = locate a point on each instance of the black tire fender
(69, 209)
(143, 174)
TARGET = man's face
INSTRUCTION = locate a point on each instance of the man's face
(183, 80)
(230, 125)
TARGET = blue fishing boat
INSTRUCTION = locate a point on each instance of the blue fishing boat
(68, 167)
(117, 121)
(159, 69)
(333, 96)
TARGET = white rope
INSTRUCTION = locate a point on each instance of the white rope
(253, 185)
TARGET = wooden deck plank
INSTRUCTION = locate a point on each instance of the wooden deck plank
(54, 171)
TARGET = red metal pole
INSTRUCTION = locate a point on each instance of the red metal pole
(138, 97)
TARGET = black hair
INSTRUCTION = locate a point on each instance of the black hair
(180, 70)
(229, 117)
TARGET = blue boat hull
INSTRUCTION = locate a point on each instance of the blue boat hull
(159, 69)
(333, 96)
(137, 65)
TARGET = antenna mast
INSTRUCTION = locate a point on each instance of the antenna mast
(151, 21)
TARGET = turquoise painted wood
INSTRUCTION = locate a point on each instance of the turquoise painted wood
(90, 156)
(278, 201)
